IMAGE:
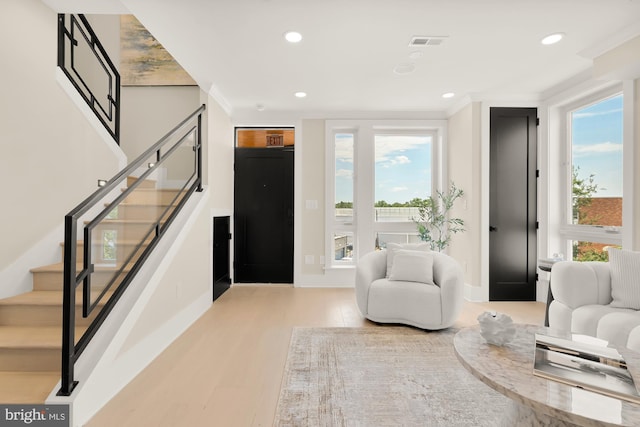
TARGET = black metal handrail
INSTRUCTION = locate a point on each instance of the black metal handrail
(160, 152)
(71, 61)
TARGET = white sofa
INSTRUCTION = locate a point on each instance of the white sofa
(426, 306)
(582, 295)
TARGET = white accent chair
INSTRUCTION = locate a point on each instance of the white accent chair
(582, 304)
(426, 306)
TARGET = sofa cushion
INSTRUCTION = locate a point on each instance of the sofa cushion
(392, 248)
(633, 341)
(625, 278)
(412, 303)
(585, 319)
(615, 327)
(412, 266)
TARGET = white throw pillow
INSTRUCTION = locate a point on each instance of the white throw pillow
(392, 248)
(625, 278)
(412, 266)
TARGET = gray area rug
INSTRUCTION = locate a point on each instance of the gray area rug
(381, 376)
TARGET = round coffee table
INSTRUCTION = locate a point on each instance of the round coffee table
(536, 400)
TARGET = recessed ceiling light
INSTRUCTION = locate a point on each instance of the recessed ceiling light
(300, 94)
(448, 95)
(259, 107)
(404, 69)
(416, 54)
(552, 38)
(293, 36)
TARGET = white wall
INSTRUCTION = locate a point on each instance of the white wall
(219, 156)
(636, 206)
(186, 279)
(148, 113)
(312, 171)
(464, 170)
(50, 155)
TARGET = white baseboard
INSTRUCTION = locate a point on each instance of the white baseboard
(332, 278)
(475, 293)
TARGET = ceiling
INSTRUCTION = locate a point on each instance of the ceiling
(345, 62)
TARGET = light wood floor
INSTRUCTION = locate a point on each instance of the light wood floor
(226, 369)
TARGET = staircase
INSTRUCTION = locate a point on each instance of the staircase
(30, 323)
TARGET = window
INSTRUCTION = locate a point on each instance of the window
(403, 167)
(594, 176)
(402, 176)
(378, 172)
(109, 238)
(344, 177)
(343, 149)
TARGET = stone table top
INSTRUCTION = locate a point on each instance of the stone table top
(509, 370)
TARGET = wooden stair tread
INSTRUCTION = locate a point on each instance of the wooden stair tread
(59, 268)
(42, 298)
(35, 337)
(118, 243)
(126, 221)
(26, 387)
(156, 190)
(151, 205)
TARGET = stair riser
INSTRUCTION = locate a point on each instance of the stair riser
(132, 232)
(30, 359)
(142, 212)
(147, 183)
(151, 197)
(37, 315)
(53, 281)
(123, 251)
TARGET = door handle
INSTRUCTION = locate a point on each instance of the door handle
(492, 228)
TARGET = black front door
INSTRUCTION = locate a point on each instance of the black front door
(221, 253)
(512, 216)
(263, 221)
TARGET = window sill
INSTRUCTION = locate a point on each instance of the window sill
(599, 234)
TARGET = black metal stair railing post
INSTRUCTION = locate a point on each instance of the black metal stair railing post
(199, 151)
(68, 307)
(116, 105)
(61, 34)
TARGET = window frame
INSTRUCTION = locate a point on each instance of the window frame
(391, 227)
(364, 226)
(570, 232)
(335, 225)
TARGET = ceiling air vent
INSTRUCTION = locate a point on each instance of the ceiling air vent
(419, 41)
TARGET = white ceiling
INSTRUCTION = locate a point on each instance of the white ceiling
(345, 62)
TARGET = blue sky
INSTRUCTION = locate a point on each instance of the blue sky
(344, 167)
(402, 169)
(597, 144)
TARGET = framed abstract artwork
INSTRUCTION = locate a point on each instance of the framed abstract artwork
(143, 60)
